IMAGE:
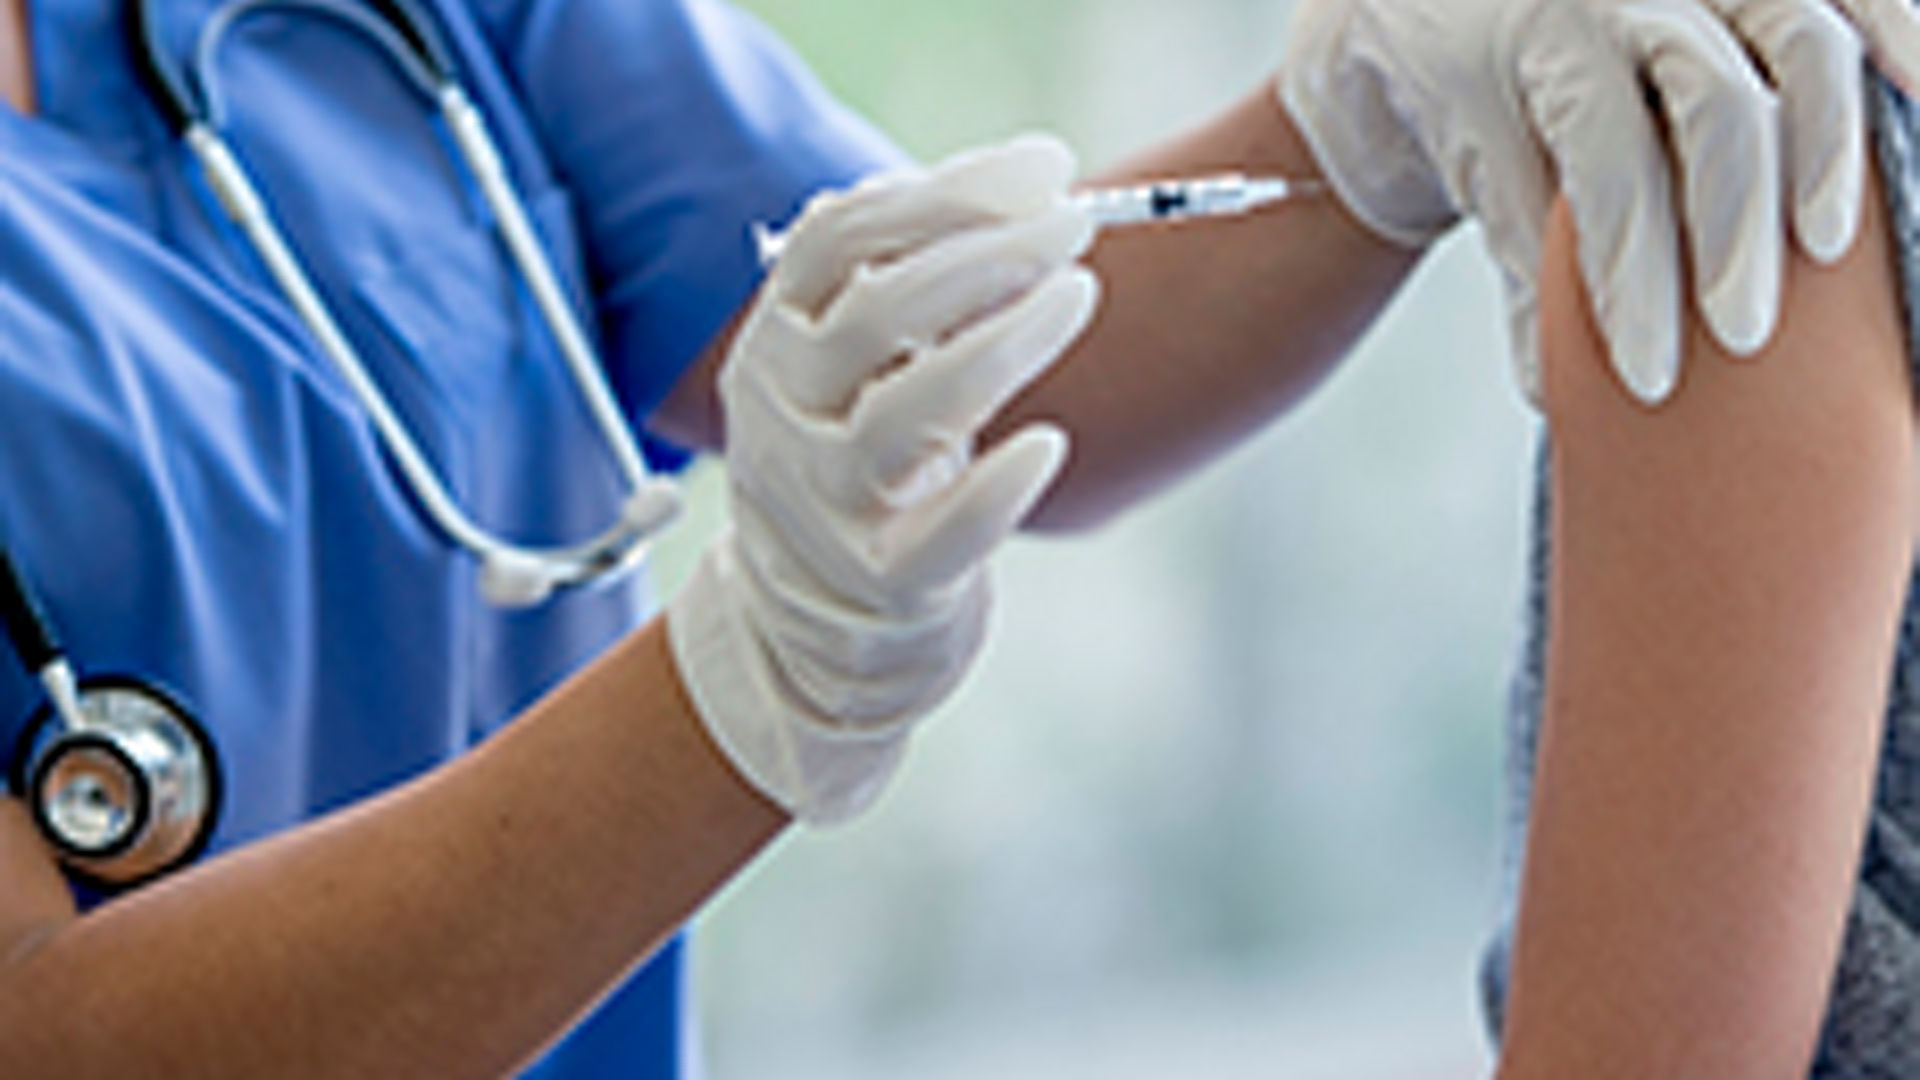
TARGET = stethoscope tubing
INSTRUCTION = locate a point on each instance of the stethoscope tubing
(512, 574)
(25, 624)
(165, 762)
(35, 643)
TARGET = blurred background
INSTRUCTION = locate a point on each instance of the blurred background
(1221, 800)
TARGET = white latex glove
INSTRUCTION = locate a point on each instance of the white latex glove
(850, 593)
(1422, 111)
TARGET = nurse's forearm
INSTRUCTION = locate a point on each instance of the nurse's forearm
(449, 928)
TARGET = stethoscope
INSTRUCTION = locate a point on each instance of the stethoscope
(193, 106)
(120, 778)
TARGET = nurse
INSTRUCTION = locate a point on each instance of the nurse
(400, 882)
(198, 499)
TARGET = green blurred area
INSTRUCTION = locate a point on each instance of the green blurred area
(935, 76)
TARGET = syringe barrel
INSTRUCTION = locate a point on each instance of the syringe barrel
(1178, 200)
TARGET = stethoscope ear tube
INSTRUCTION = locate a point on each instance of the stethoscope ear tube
(182, 101)
(422, 33)
(512, 575)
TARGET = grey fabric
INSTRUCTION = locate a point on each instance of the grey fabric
(1872, 1030)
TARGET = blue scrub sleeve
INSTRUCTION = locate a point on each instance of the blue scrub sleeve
(677, 125)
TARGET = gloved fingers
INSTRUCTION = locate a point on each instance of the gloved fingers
(1723, 122)
(1891, 30)
(936, 291)
(912, 304)
(1813, 57)
(931, 545)
(1523, 330)
(1588, 105)
(1344, 84)
(885, 218)
(912, 428)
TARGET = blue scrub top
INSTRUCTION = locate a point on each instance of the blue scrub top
(194, 490)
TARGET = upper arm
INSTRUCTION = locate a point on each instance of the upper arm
(1726, 585)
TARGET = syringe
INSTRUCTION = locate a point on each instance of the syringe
(1226, 195)
(1223, 195)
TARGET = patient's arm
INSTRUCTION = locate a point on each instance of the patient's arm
(1208, 329)
(1728, 574)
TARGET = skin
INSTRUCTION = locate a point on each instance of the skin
(1727, 588)
(451, 927)
(16, 66)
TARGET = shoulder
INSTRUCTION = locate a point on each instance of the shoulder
(672, 81)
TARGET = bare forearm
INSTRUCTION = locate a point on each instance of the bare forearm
(1728, 574)
(1210, 329)
(449, 928)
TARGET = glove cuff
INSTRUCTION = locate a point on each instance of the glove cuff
(820, 774)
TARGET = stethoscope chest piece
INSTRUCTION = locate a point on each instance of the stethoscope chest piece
(129, 795)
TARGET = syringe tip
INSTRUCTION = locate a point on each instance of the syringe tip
(1263, 190)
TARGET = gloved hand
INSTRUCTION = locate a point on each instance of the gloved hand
(1422, 111)
(850, 593)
